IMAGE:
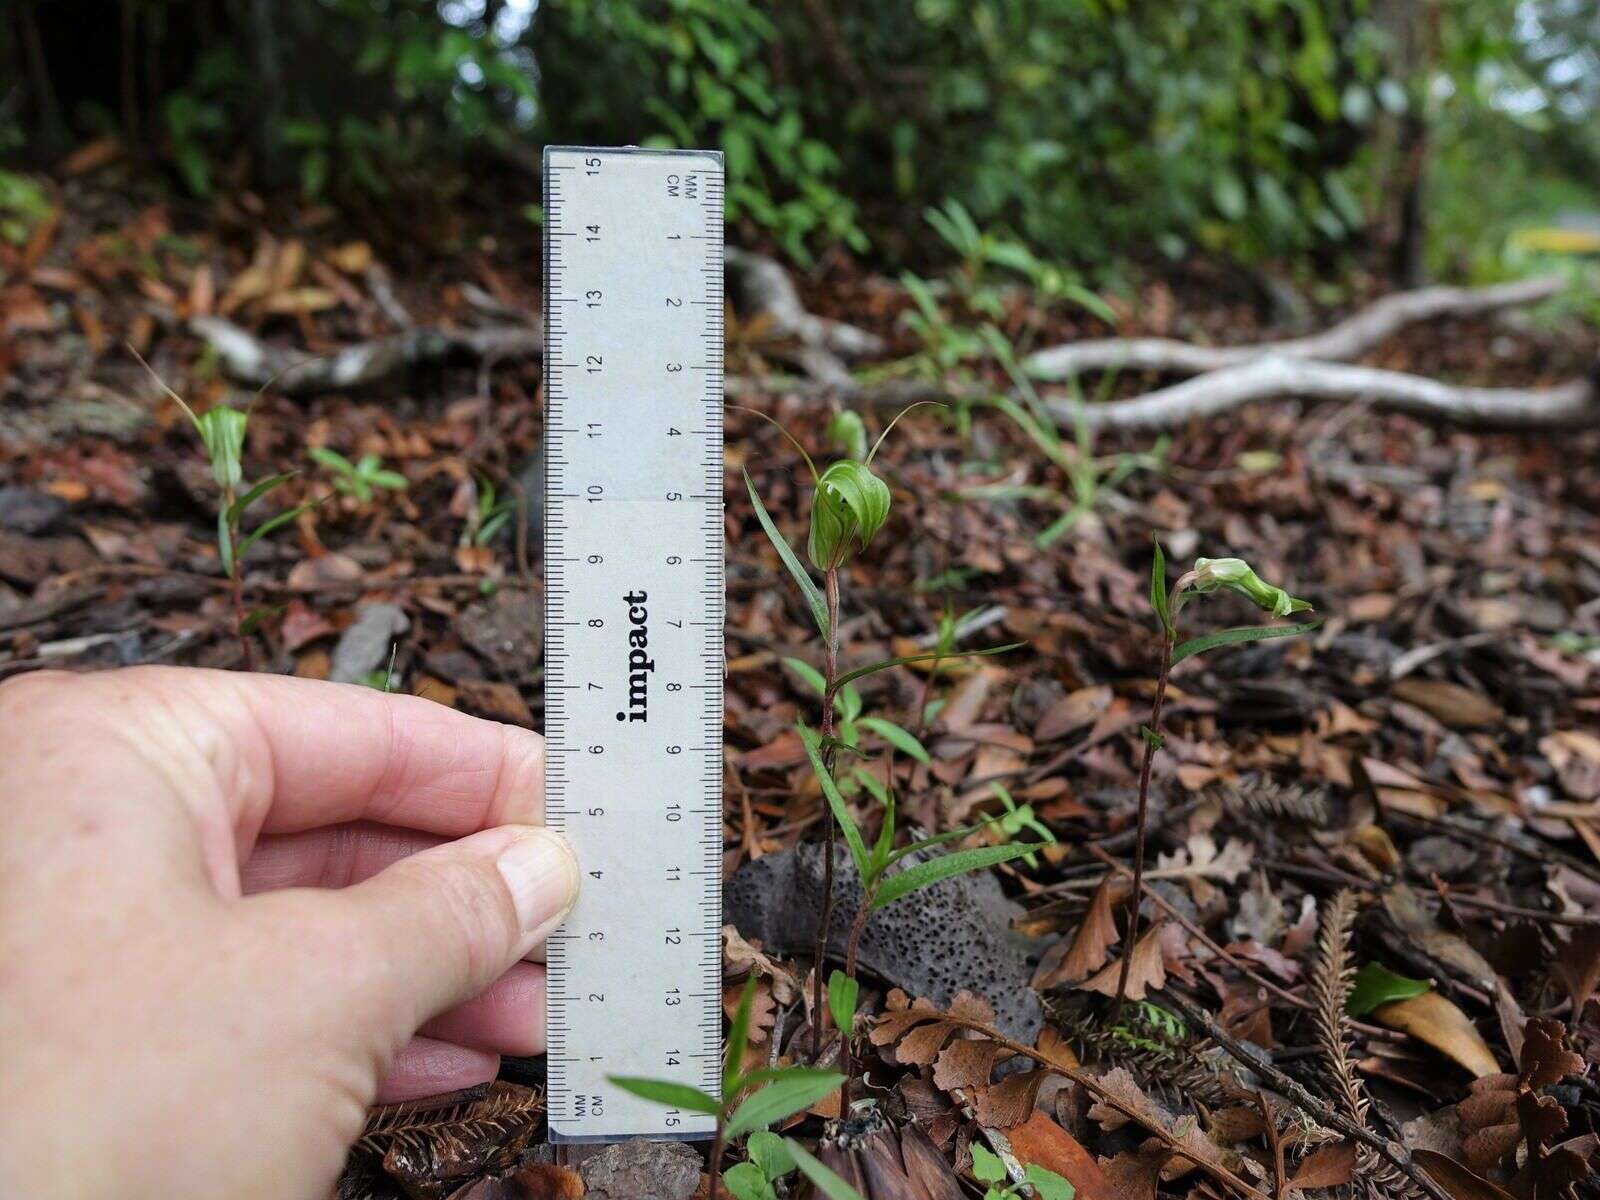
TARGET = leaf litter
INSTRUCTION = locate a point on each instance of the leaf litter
(1412, 792)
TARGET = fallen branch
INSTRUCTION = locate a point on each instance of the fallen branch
(1561, 407)
(1349, 339)
(246, 359)
(761, 286)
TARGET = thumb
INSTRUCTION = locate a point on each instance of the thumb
(440, 926)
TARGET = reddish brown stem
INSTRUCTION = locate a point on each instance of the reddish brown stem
(830, 677)
(1152, 738)
(715, 1189)
(857, 928)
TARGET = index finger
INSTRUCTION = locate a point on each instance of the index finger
(312, 753)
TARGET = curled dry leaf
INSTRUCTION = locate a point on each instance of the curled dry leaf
(1460, 1182)
(1435, 1020)
(1091, 944)
(1145, 973)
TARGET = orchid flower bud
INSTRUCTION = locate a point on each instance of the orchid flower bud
(850, 506)
(1213, 574)
(848, 433)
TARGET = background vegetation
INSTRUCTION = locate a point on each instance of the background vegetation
(1403, 134)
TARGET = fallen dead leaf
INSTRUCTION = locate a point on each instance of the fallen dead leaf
(1091, 944)
(1456, 706)
(1041, 1142)
(1145, 973)
(1435, 1020)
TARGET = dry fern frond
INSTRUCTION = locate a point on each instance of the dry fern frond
(1330, 988)
(477, 1114)
(1257, 795)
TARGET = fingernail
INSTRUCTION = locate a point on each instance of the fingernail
(542, 874)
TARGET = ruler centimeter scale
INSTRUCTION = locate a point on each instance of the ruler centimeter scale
(633, 654)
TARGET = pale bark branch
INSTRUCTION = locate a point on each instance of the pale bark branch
(1564, 406)
(1349, 339)
(247, 359)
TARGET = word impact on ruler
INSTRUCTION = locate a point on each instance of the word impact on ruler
(633, 629)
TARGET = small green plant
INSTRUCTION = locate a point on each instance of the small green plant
(222, 431)
(23, 205)
(1208, 576)
(750, 1101)
(1015, 819)
(1089, 478)
(360, 479)
(989, 1170)
(981, 249)
(489, 514)
(849, 506)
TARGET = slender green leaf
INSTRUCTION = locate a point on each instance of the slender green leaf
(849, 701)
(809, 675)
(1158, 590)
(1232, 637)
(1375, 984)
(662, 1091)
(938, 839)
(841, 811)
(791, 562)
(271, 523)
(899, 738)
(852, 676)
(332, 459)
(923, 874)
(237, 508)
(825, 1181)
(798, 1089)
(769, 1152)
(885, 842)
(738, 1035)
(842, 994)
(392, 480)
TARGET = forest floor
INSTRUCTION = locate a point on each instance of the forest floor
(1415, 785)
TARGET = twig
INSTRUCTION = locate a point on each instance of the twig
(1324, 1113)
(1349, 339)
(1274, 1143)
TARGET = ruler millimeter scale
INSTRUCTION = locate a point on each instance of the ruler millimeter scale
(633, 629)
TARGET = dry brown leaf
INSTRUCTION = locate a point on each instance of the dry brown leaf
(1134, 1174)
(1545, 1057)
(1457, 1180)
(1008, 1102)
(1456, 706)
(1331, 1166)
(1146, 972)
(1041, 1142)
(1091, 944)
(1578, 966)
(1432, 1019)
(967, 1062)
(1072, 712)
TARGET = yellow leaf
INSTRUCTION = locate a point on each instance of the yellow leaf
(1432, 1019)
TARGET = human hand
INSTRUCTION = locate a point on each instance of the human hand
(227, 904)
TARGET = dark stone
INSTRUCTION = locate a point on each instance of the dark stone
(28, 510)
(507, 631)
(641, 1170)
(950, 937)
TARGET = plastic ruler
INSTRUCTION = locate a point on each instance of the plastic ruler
(633, 628)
